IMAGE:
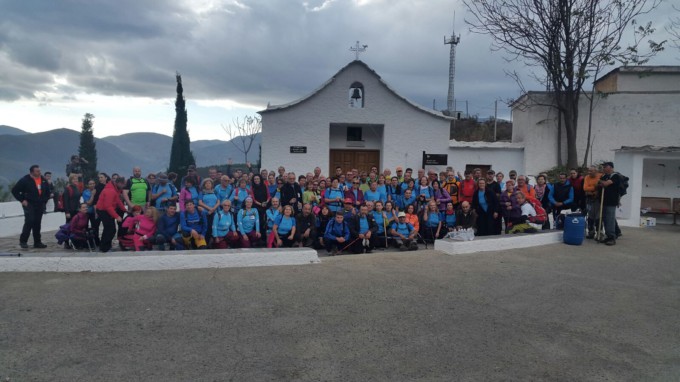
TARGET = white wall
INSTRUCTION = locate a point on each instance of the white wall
(648, 81)
(407, 130)
(618, 120)
(655, 181)
(661, 177)
(12, 220)
(501, 159)
(372, 136)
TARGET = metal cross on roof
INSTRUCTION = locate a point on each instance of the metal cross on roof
(357, 49)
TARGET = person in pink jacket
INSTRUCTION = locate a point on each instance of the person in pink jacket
(144, 228)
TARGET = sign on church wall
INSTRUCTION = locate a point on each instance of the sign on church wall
(298, 149)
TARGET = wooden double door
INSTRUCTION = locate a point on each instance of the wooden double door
(362, 160)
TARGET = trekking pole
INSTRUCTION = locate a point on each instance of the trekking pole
(421, 238)
(10, 254)
(385, 228)
(600, 223)
(347, 246)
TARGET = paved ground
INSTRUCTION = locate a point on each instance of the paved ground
(548, 313)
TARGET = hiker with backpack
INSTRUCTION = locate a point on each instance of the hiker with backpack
(610, 184)
(530, 220)
(337, 234)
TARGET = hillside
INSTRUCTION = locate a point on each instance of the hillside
(52, 149)
(9, 130)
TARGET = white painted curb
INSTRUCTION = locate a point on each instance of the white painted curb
(156, 260)
(497, 243)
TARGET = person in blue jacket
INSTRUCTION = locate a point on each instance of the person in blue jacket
(334, 196)
(406, 199)
(194, 225)
(167, 229)
(224, 227)
(337, 233)
(450, 217)
(561, 196)
(284, 228)
(249, 224)
(374, 195)
(224, 189)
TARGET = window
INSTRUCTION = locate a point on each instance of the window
(354, 134)
(356, 95)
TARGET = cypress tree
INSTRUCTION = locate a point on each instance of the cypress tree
(180, 155)
(87, 149)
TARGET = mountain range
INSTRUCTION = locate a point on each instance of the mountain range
(151, 151)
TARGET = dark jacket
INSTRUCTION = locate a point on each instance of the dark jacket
(302, 223)
(354, 224)
(356, 200)
(71, 199)
(466, 221)
(491, 201)
(25, 189)
(290, 191)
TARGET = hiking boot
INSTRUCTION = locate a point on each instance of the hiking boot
(402, 247)
(413, 246)
(23, 245)
(610, 242)
(591, 235)
(368, 250)
(39, 245)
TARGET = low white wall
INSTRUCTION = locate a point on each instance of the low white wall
(497, 243)
(155, 261)
(12, 219)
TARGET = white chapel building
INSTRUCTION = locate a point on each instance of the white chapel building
(354, 120)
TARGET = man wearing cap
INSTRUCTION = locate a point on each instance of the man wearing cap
(108, 205)
(404, 233)
(348, 210)
(163, 193)
(609, 183)
(400, 174)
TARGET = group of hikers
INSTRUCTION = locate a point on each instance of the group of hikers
(347, 211)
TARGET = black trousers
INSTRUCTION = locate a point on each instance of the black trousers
(109, 231)
(94, 223)
(33, 214)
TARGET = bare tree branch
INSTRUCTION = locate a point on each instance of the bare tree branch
(571, 40)
(242, 133)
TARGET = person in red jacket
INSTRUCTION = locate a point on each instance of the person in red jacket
(467, 188)
(108, 202)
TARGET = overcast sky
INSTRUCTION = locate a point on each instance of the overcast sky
(117, 59)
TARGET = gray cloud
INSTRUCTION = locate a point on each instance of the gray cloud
(252, 52)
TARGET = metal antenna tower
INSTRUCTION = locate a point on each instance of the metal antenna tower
(453, 41)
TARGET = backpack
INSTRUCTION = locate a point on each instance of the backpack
(541, 216)
(60, 202)
(623, 184)
(64, 233)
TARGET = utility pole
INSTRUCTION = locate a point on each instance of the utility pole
(495, 119)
